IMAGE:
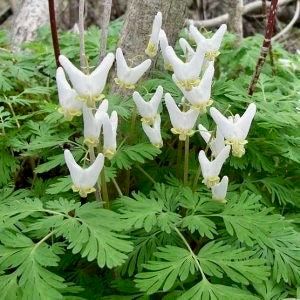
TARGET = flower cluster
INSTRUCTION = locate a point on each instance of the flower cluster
(193, 76)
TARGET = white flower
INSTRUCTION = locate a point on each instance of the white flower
(216, 144)
(152, 47)
(148, 109)
(219, 191)
(188, 51)
(153, 133)
(163, 42)
(199, 96)
(110, 125)
(211, 45)
(182, 122)
(128, 77)
(89, 87)
(84, 180)
(92, 124)
(235, 130)
(69, 105)
(211, 169)
(187, 73)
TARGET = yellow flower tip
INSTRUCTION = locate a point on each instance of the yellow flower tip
(183, 133)
(91, 142)
(211, 181)
(109, 153)
(159, 145)
(168, 67)
(219, 200)
(90, 100)
(202, 108)
(237, 146)
(151, 49)
(124, 85)
(189, 84)
(83, 192)
(69, 114)
(148, 120)
(212, 55)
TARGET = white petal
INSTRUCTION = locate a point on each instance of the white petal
(187, 49)
(67, 95)
(197, 36)
(74, 168)
(77, 78)
(218, 162)
(204, 133)
(103, 107)
(156, 28)
(163, 41)
(226, 126)
(219, 191)
(110, 130)
(244, 122)
(92, 126)
(97, 79)
(153, 133)
(127, 74)
(218, 143)
(217, 38)
(144, 108)
(91, 174)
(156, 98)
(205, 164)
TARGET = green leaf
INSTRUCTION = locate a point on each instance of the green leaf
(173, 263)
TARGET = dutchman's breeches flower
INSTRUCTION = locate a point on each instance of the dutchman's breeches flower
(211, 169)
(69, 105)
(187, 74)
(88, 86)
(211, 45)
(219, 191)
(148, 109)
(128, 77)
(84, 180)
(235, 130)
(92, 124)
(188, 51)
(153, 133)
(216, 144)
(199, 96)
(182, 122)
(110, 125)
(152, 47)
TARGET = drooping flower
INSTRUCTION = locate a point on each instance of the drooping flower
(219, 190)
(163, 42)
(84, 180)
(187, 74)
(216, 144)
(211, 169)
(88, 86)
(211, 45)
(69, 105)
(187, 49)
(152, 47)
(127, 77)
(182, 122)
(110, 125)
(199, 96)
(235, 130)
(148, 109)
(92, 124)
(153, 133)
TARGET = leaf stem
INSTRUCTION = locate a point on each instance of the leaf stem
(146, 174)
(196, 259)
(117, 187)
(186, 160)
(54, 34)
(104, 189)
(98, 188)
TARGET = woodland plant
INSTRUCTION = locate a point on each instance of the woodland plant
(119, 208)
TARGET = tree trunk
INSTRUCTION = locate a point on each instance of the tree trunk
(31, 15)
(138, 25)
(235, 20)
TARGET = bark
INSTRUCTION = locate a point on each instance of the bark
(138, 25)
(31, 15)
(235, 18)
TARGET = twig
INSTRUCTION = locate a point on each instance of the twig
(54, 31)
(117, 187)
(290, 25)
(104, 26)
(265, 46)
(223, 18)
(186, 160)
(146, 174)
(83, 64)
